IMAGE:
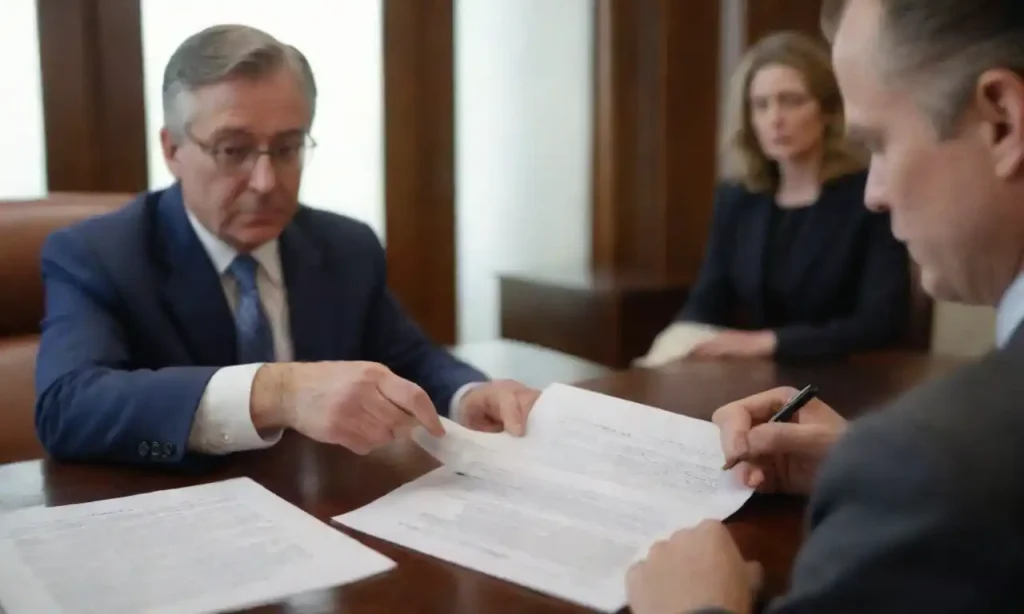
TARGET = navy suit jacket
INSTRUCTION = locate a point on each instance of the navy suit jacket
(848, 291)
(137, 322)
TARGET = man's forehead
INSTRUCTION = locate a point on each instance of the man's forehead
(856, 40)
(268, 106)
(855, 59)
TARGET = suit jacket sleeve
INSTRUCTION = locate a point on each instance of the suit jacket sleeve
(919, 514)
(395, 340)
(92, 402)
(881, 311)
(713, 298)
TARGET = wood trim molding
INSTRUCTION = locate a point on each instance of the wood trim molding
(93, 95)
(766, 16)
(656, 109)
(419, 133)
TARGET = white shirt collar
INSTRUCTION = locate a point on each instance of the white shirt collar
(1010, 313)
(222, 255)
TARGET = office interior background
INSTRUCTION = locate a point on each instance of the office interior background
(539, 170)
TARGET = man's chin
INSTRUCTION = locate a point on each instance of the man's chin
(252, 236)
(938, 287)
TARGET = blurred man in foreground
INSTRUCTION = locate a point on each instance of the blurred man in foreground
(917, 508)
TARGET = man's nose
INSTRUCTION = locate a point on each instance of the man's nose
(875, 197)
(263, 177)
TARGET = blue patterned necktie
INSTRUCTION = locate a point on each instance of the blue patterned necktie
(252, 329)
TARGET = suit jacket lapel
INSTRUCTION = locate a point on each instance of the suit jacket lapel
(313, 303)
(191, 288)
(1016, 341)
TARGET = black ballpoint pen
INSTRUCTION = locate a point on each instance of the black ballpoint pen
(794, 404)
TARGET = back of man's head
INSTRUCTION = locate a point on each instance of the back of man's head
(944, 45)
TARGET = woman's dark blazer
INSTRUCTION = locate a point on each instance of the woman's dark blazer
(848, 284)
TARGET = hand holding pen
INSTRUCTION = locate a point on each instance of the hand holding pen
(778, 438)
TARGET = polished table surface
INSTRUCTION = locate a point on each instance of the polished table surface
(327, 481)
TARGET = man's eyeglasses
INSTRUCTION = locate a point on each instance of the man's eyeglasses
(239, 154)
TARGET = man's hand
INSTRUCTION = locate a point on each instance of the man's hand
(497, 406)
(737, 344)
(696, 568)
(359, 405)
(777, 456)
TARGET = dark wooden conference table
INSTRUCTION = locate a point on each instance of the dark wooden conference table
(327, 481)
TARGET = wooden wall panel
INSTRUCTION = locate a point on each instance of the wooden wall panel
(93, 95)
(656, 100)
(764, 16)
(656, 92)
(420, 160)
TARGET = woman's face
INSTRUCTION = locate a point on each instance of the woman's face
(786, 117)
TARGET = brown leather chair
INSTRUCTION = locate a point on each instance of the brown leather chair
(24, 225)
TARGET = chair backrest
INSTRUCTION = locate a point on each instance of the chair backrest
(24, 226)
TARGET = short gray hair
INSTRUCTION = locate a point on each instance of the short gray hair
(225, 52)
(944, 45)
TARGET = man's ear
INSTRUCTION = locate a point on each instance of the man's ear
(170, 150)
(1000, 102)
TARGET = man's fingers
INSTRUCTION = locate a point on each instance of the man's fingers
(735, 420)
(776, 438)
(755, 575)
(763, 405)
(353, 442)
(754, 477)
(396, 420)
(411, 399)
(508, 410)
(634, 572)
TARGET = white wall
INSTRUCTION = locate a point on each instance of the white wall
(22, 135)
(523, 145)
(343, 41)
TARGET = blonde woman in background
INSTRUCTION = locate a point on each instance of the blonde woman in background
(796, 267)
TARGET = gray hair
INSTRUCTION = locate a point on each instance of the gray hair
(225, 52)
(944, 46)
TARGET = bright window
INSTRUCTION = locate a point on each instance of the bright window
(22, 135)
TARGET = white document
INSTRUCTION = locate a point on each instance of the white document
(207, 548)
(677, 341)
(566, 509)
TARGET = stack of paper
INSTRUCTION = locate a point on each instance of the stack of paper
(566, 509)
(205, 548)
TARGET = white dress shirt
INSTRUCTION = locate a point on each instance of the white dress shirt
(1010, 312)
(223, 422)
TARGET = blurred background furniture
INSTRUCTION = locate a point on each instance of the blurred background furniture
(24, 226)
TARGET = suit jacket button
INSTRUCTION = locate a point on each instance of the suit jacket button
(155, 449)
(143, 449)
(169, 448)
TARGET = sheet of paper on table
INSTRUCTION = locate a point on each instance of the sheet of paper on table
(676, 342)
(208, 548)
(566, 509)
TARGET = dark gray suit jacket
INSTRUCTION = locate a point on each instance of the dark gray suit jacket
(920, 507)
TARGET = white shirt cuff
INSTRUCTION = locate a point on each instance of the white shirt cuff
(223, 422)
(456, 402)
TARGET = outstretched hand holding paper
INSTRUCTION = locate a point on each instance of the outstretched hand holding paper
(566, 509)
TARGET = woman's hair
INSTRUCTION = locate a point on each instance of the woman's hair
(744, 159)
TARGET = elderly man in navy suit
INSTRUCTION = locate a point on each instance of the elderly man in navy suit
(209, 317)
